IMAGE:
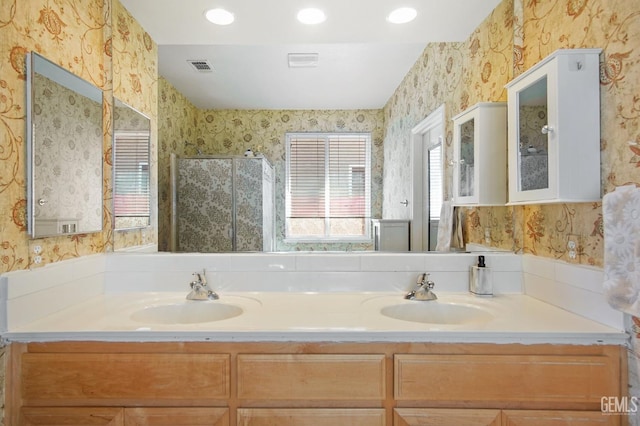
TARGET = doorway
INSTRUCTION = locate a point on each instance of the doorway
(427, 163)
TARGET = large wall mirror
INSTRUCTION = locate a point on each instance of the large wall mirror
(64, 151)
(131, 155)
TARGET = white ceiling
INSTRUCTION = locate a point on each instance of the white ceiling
(362, 57)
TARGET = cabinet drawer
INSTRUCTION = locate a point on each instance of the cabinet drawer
(124, 378)
(88, 416)
(521, 379)
(311, 377)
(200, 416)
(557, 418)
(445, 417)
(310, 417)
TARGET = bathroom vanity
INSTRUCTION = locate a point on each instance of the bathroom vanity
(312, 383)
(357, 353)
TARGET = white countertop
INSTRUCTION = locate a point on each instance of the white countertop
(335, 317)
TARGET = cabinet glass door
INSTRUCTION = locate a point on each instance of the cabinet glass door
(466, 159)
(533, 143)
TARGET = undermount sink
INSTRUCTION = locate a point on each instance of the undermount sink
(436, 312)
(186, 312)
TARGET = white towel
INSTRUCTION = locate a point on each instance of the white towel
(621, 216)
(449, 228)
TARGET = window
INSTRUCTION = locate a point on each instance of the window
(131, 174)
(328, 186)
(435, 182)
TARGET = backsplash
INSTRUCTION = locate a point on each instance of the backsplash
(30, 295)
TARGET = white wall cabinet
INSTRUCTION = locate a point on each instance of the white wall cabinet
(554, 130)
(480, 155)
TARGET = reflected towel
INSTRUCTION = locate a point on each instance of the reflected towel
(621, 217)
(450, 228)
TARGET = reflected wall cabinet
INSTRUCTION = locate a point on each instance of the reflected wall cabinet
(480, 155)
(554, 130)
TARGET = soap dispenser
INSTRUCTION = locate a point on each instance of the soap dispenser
(480, 280)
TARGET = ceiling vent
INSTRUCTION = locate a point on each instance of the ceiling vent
(303, 60)
(200, 65)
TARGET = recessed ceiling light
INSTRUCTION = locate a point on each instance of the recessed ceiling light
(219, 16)
(402, 15)
(311, 16)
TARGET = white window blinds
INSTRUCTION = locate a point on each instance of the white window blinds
(131, 174)
(329, 184)
(435, 182)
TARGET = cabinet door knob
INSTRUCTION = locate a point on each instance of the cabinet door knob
(405, 203)
(546, 129)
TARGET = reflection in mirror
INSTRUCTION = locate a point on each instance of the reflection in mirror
(436, 195)
(533, 167)
(64, 151)
(131, 154)
(466, 160)
(427, 158)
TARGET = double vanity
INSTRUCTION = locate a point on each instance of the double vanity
(300, 339)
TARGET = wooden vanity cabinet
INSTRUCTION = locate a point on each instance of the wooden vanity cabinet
(289, 383)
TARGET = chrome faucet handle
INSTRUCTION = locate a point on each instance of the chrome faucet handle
(202, 277)
(199, 288)
(428, 283)
(423, 289)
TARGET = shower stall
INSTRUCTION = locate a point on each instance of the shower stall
(222, 204)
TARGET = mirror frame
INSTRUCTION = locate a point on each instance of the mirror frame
(118, 103)
(35, 64)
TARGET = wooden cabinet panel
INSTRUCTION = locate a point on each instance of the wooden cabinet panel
(176, 416)
(456, 379)
(445, 417)
(124, 379)
(310, 417)
(77, 416)
(557, 418)
(311, 377)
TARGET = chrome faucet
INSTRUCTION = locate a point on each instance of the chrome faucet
(423, 288)
(199, 288)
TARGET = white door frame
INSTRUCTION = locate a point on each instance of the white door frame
(434, 119)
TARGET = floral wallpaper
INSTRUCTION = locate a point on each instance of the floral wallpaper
(71, 34)
(177, 127)
(79, 36)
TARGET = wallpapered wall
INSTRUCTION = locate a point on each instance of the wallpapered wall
(100, 42)
(184, 130)
(517, 35)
